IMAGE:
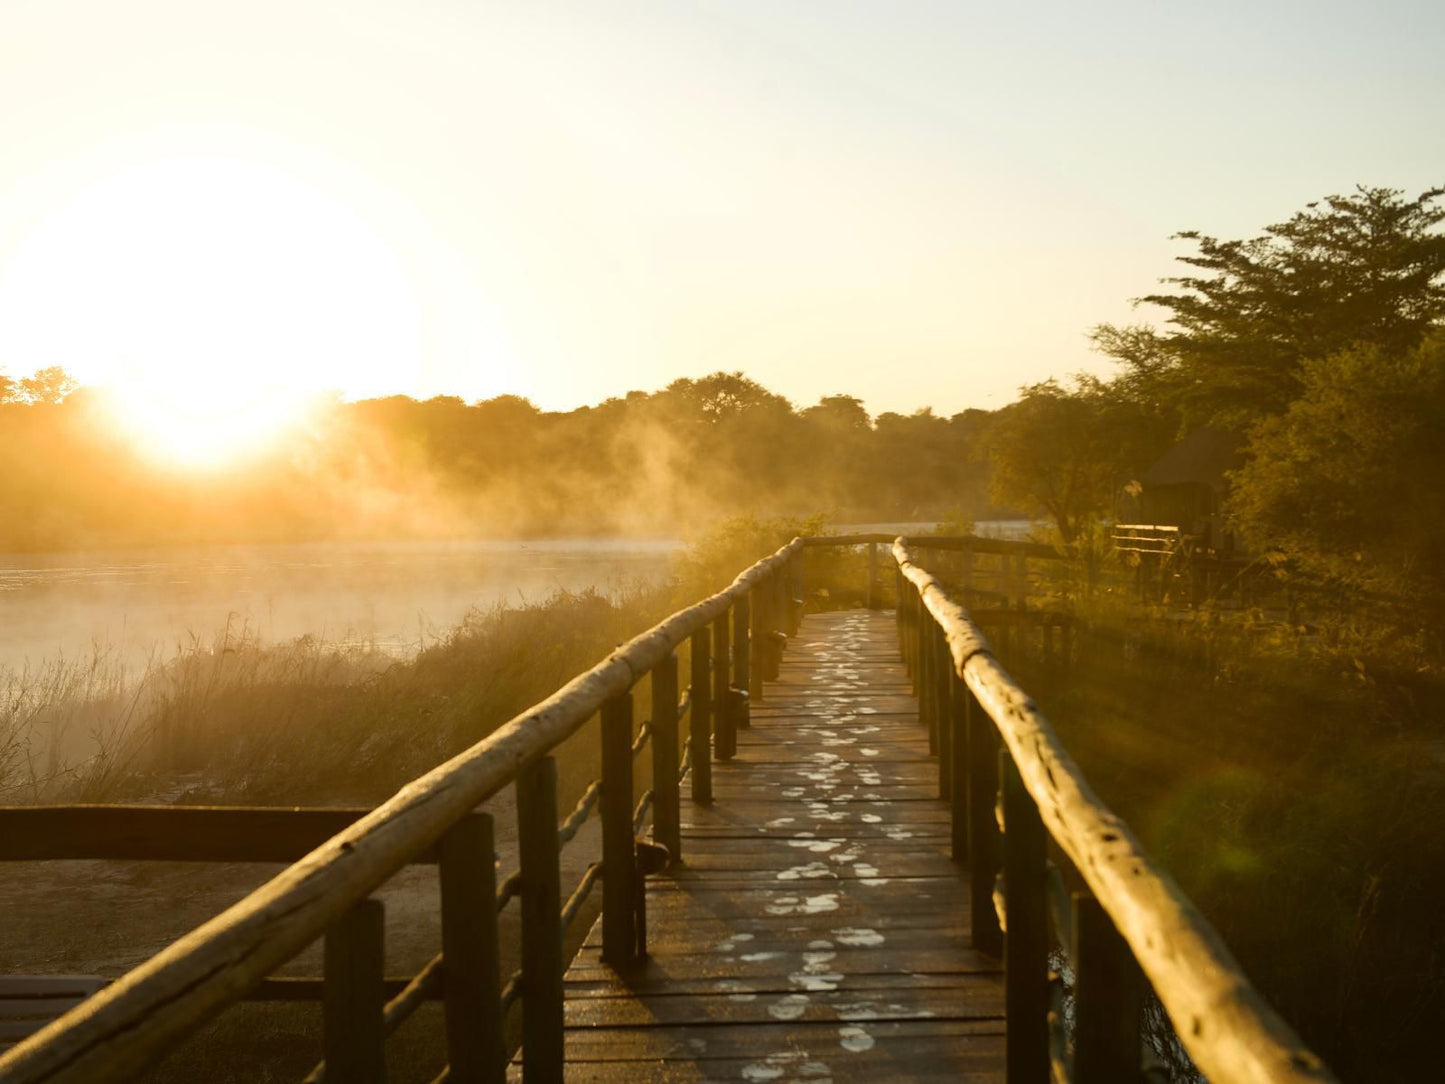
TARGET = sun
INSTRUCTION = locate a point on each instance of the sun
(218, 297)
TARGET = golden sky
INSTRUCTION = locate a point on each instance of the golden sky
(917, 203)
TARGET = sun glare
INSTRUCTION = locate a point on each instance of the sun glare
(217, 297)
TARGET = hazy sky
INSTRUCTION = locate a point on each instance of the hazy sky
(911, 202)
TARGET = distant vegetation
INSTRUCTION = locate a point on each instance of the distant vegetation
(697, 452)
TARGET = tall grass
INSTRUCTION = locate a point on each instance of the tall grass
(1290, 774)
(234, 719)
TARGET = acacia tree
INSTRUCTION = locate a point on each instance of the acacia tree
(1365, 268)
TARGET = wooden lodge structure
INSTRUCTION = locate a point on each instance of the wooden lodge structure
(1173, 531)
(861, 855)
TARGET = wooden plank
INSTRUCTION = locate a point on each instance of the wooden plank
(818, 901)
(735, 1040)
(969, 1001)
(171, 833)
(586, 980)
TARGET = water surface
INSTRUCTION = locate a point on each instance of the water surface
(397, 595)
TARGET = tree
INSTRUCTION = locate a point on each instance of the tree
(49, 385)
(1066, 453)
(1350, 481)
(1365, 268)
(720, 396)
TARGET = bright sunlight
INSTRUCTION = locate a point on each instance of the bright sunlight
(223, 296)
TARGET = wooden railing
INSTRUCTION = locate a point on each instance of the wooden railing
(999, 754)
(734, 638)
(1149, 539)
(989, 738)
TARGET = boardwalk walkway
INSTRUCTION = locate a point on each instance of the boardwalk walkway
(817, 929)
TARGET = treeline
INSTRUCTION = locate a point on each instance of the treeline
(1317, 346)
(666, 462)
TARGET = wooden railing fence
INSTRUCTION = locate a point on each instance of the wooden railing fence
(341, 856)
(1021, 808)
(1129, 924)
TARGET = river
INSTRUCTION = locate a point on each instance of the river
(398, 596)
(138, 605)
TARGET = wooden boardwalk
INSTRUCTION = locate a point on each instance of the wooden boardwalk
(816, 929)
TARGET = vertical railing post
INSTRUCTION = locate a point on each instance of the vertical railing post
(927, 681)
(666, 805)
(799, 588)
(541, 906)
(1108, 998)
(725, 736)
(898, 610)
(476, 1037)
(1026, 934)
(873, 601)
(700, 715)
(915, 624)
(742, 638)
(943, 709)
(958, 772)
(983, 837)
(777, 635)
(619, 860)
(353, 999)
(757, 642)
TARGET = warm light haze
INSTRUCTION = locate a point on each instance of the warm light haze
(219, 211)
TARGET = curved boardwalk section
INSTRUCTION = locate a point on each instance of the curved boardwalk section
(816, 928)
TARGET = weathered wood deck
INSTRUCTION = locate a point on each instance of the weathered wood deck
(816, 929)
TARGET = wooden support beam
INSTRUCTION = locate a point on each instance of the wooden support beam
(942, 713)
(874, 601)
(1108, 998)
(542, 1051)
(1026, 938)
(724, 734)
(353, 1037)
(958, 771)
(700, 715)
(666, 805)
(619, 862)
(471, 959)
(742, 653)
(984, 845)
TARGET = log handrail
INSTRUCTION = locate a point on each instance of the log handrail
(1226, 1026)
(124, 1027)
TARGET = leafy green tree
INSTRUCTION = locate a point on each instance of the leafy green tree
(1066, 453)
(1365, 268)
(1350, 481)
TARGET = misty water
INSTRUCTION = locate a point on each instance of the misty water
(140, 605)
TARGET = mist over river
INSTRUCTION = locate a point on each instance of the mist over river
(144, 604)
